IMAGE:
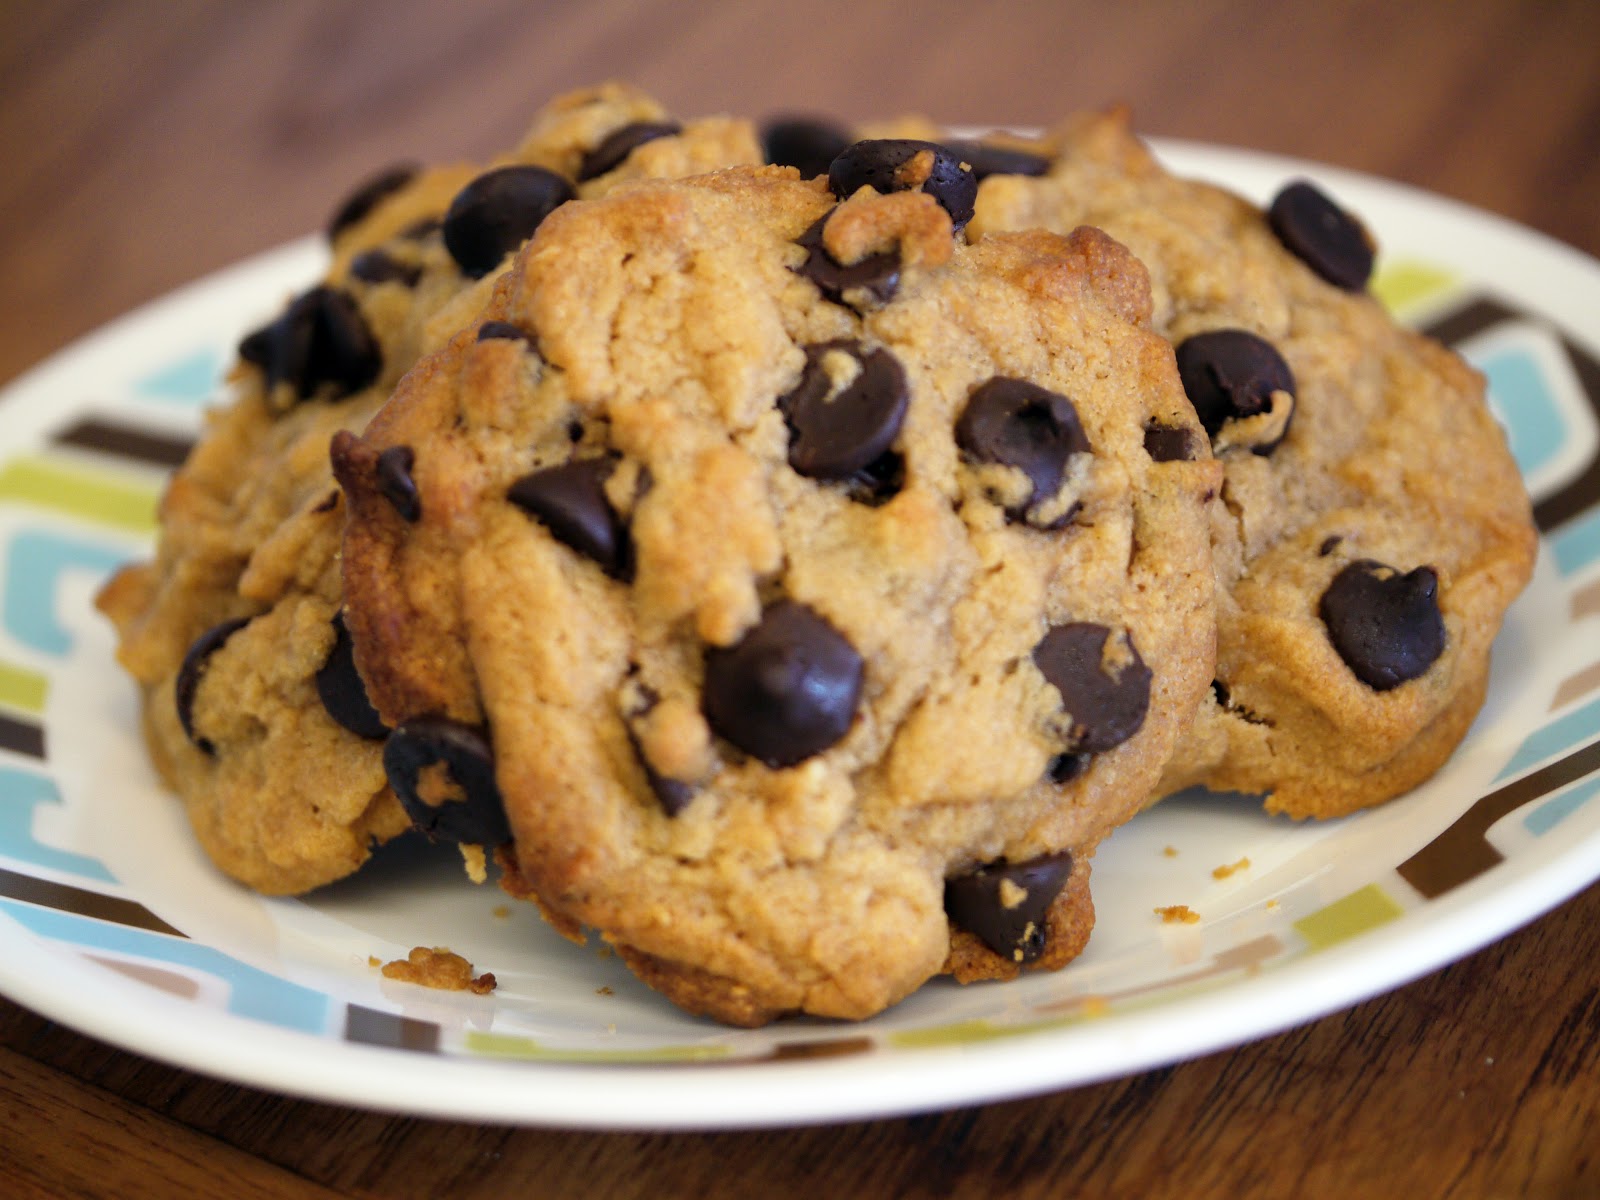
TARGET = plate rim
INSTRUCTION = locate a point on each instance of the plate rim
(924, 1078)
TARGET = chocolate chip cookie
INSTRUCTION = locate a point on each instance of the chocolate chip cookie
(796, 594)
(253, 711)
(1373, 527)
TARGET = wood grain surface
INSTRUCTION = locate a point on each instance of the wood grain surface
(145, 143)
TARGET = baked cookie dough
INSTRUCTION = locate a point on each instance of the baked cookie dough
(252, 708)
(1373, 526)
(797, 594)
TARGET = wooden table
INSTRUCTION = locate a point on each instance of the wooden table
(146, 143)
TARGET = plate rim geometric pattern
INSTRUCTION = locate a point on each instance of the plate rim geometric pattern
(86, 438)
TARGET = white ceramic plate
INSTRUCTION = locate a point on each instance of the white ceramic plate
(112, 922)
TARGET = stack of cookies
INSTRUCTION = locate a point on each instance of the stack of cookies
(790, 556)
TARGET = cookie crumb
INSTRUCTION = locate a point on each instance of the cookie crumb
(1224, 871)
(374, 961)
(1169, 851)
(1272, 905)
(1177, 914)
(1096, 1006)
(476, 863)
(604, 990)
(438, 968)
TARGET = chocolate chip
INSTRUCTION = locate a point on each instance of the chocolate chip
(1322, 235)
(788, 690)
(494, 214)
(1064, 768)
(193, 668)
(1007, 905)
(1231, 373)
(394, 481)
(343, 694)
(369, 195)
(877, 274)
(610, 153)
(418, 230)
(878, 163)
(491, 330)
(879, 481)
(986, 159)
(807, 143)
(1169, 443)
(836, 431)
(1329, 544)
(1385, 625)
(673, 794)
(1106, 707)
(464, 804)
(320, 339)
(376, 266)
(570, 501)
(1020, 424)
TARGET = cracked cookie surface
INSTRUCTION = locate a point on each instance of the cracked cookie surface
(1373, 528)
(795, 577)
(262, 727)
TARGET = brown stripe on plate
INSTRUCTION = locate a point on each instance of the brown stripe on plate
(1586, 601)
(126, 441)
(1247, 956)
(1485, 312)
(1462, 852)
(65, 898)
(1473, 317)
(21, 737)
(159, 978)
(1576, 686)
(825, 1048)
(369, 1027)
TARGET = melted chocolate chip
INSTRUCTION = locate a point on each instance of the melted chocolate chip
(1007, 905)
(834, 432)
(1106, 709)
(375, 266)
(343, 694)
(610, 153)
(321, 339)
(498, 211)
(986, 159)
(788, 690)
(368, 196)
(877, 163)
(570, 501)
(806, 143)
(1385, 625)
(491, 330)
(1020, 424)
(193, 668)
(1322, 235)
(878, 275)
(394, 481)
(466, 803)
(1169, 443)
(1230, 373)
